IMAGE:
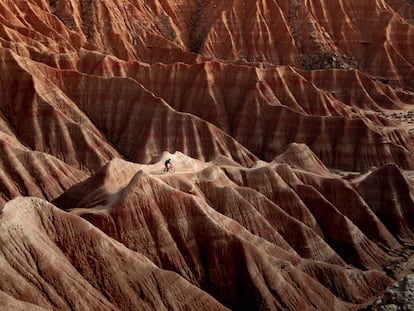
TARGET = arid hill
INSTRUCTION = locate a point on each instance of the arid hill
(290, 125)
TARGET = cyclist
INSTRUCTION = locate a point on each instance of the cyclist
(168, 165)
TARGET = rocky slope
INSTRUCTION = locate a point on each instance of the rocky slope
(290, 126)
(399, 296)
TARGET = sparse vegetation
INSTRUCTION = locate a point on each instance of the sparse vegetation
(329, 60)
(198, 31)
(53, 3)
(165, 27)
(67, 19)
(87, 19)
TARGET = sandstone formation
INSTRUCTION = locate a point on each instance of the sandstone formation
(273, 211)
(290, 126)
(32, 173)
(66, 263)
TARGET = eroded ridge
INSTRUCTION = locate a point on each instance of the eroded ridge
(289, 124)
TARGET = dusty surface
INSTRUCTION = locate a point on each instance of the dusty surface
(290, 126)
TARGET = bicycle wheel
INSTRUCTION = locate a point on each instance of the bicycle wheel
(163, 170)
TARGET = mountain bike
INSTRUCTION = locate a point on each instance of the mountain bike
(171, 169)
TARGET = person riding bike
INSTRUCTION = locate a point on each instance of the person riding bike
(168, 164)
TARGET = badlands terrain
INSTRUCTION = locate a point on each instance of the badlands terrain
(290, 124)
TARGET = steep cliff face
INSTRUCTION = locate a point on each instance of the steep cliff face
(289, 124)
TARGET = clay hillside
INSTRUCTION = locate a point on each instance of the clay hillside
(290, 126)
